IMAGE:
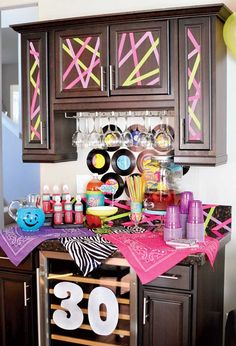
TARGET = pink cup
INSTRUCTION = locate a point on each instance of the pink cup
(172, 227)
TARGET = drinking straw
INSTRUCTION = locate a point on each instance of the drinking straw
(136, 188)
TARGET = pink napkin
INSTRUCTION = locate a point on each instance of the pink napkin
(149, 255)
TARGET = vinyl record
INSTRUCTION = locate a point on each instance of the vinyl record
(163, 138)
(143, 158)
(109, 134)
(135, 130)
(114, 179)
(123, 162)
(126, 187)
(98, 161)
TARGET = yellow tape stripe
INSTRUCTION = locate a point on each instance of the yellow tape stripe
(194, 70)
(88, 47)
(142, 61)
(194, 118)
(209, 217)
(36, 127)
(81, 64)
(149, 74)
(32, 81)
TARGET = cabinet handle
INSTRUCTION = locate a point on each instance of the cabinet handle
(170, 277)
(103, 86)
(111, 76)
(25, 293)
(41, 131)
(145, 315)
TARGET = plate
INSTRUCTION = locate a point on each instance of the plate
(143, 158)
(109, 135)
(163, 138)
(102, 210)
(123, 162)
(98, 161)
(135, 130)
(114, 179)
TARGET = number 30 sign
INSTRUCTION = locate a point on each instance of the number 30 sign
(72, 295)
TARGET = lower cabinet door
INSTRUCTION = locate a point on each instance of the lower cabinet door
(166, 318)
(16, 314)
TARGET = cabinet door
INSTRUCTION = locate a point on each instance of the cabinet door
(139, 58)
(194, 87)
(35, 90)
(81, 62)
(166, 318)
(16, 314)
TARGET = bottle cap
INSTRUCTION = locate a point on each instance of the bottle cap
(186, 197)
(172, 219)
(78, 198)
(195, 214)
(46, 189)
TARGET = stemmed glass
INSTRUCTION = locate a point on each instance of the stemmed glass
(94, 138)
(142, 137)
(78, 137)
(127, 138)
(146, 139)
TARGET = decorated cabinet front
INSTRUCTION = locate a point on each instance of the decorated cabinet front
(107, 60)
(139, 58)
(35, 90)
(97, 309)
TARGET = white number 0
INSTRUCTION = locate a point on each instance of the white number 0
(98, 296)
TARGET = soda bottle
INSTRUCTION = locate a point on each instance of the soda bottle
(46, 200)
(57, 209)
(94, 196)
(68, 213)
(79, 216)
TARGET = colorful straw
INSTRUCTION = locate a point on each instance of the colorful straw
(135, 186)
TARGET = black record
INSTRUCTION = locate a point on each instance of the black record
(98, 161)
(114, 179)
(108, 130)
(123, 162)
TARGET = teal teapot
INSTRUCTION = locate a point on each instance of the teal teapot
(27, 213)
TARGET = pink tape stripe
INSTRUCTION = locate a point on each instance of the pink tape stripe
(155, 51)
(37, 134)
(218, 234)
(121, 45)
(194, 42)
(35, 95)
(222, 224)
(140, 41)
(37, 110)
(154, 81)
(75, 63)
(217, 222)
(208, 206)
(34, 52)
(75, 58)
(76, 80)
(135, 57)
(92, 63)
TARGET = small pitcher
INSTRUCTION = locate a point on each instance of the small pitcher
(27, 213)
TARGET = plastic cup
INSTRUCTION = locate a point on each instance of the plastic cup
(172, 220)
(185, 198)
(195, 213)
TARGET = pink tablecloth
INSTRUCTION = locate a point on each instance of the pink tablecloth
(150, 257)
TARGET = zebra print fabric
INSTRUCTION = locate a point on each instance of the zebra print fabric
(88, 252)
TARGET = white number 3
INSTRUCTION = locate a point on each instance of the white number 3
(98, 296)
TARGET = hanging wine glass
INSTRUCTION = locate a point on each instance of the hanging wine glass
(127, 138)
(94, 138)
(78, 137)
(142, 137)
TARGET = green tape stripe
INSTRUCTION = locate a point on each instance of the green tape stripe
(35, 127)
(116, 217)
(81, 64)
(146, 75)
(194, 118)
(142, 61)
(88, 47)
(194, 70)
(209, 217)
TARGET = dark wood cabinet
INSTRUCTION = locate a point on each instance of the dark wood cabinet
(157, 60)
(201, 121)
(18, 305)
(184, 306)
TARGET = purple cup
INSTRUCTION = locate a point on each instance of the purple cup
(185, 198)
(172, 220)
(195, 212)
